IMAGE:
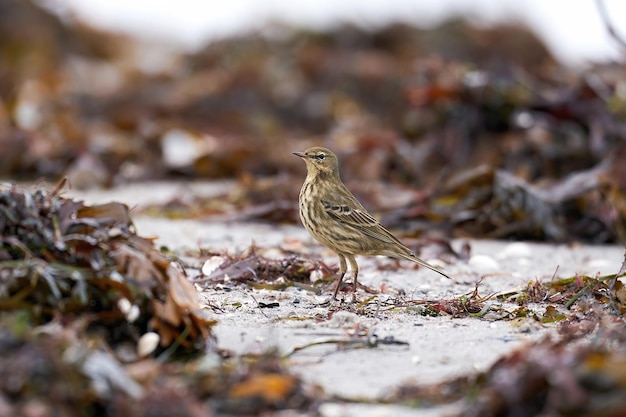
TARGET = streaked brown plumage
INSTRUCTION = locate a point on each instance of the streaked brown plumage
(336, 219)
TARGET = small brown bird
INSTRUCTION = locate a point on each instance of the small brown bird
(336, 219)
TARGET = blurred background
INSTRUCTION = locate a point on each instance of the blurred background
(496, 119)
(574, 33)
(578, 37)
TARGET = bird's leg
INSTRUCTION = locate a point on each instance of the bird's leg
(355, 271)
(343, 267)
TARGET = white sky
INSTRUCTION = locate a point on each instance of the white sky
(572, 29)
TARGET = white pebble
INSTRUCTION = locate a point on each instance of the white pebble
(124, 305)
(273, 253)
(316, 275)
(147, 344)
(211, 265)
(483, 262)
(133, 314)
(180, 148)
(515, 250)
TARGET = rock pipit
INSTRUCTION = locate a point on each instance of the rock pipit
(336, 219)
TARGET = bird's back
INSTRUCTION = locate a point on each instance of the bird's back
(349, 228)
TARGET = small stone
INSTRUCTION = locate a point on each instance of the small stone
(210, 265)
(483, 262)
(515, 250)
(147, 344)
(316, 275)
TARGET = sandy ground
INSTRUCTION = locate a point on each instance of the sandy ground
(433, 349)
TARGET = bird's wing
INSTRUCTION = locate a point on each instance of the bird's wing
(347, 210)
(351, 213)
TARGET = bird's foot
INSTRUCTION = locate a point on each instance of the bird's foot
(337, 301)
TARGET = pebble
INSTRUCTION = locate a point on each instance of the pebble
(148, 342)
(483, 262)
(515, 250)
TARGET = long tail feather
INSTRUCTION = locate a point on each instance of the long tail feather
(411, 257)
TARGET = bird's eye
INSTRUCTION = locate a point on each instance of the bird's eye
(321, 156)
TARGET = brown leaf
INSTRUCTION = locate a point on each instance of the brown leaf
(167, 312)
(136, 266)
(239, 270)
(272, 388)
(110, 213)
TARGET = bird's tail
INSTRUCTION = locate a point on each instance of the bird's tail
(411, 257)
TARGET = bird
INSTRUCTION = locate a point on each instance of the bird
(336, 219)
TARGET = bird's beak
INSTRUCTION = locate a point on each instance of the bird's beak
(300, 154)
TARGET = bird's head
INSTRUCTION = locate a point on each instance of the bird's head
(319, 161)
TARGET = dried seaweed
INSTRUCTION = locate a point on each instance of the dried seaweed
(58, 370)
(496, 204)
(62, 258)
(84, 299)
(556, 378)
(606, 290)
(569, 376)
(258, 271)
